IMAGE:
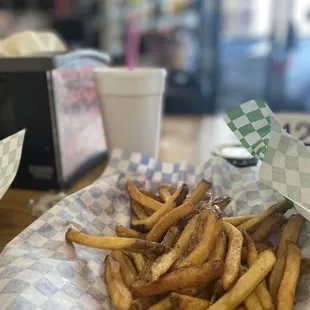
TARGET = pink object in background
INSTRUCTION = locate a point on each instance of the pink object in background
(132, 45)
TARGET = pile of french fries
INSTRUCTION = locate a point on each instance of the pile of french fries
(180, 253)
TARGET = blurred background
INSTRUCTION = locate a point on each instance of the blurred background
(219, 53)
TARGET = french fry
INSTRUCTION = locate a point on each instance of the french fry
(136, 224)
(147, 248)
(141, 198)
(163, 304)
(151, 195)
(128, 270)
(125, 232)
(280, 207)
(238, 220)
(175, 200)
(219, 251)
(145, 302)
(180, 278)
(233, 257)
(119, 293)
(241, 308)
(168, 220)
(252, 302)
(290, 232)
(261, 290)
(183, 302)
(164, 262)
(195, 290)
(199, 192)
(205, 245)
(171, 236)
(138, 210)
(271, 224)
(286, 294)
(247, 283)
(222, 202)
(165, 192)
(138, 260)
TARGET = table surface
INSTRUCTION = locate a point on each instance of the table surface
(183, 138)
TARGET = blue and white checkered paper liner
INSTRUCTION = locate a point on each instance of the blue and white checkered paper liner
(39, 270)
(285, 159)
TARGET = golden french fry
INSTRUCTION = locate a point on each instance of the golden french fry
(125, 232)
(305, 266)
(290, 232)
(147, 248)
(238, 220)
(171, 236)
(138, 260)
(138, 210)
(165, 192)
(175, 200)
(184, 302)
(252, 302)
(163, 304)
(286, 294)
(280, 207)
(195, 290)
(151, 195)
(136, 225)
(164, 262)
(168, 220)
(141, 198)
(219, 251)
(128, 270)
(247, 283)
(180, 278)
(233, 257)
(205, 245)
(221, 202)
(261, 290)
(119, 293)
(199, 192)
(270, 225)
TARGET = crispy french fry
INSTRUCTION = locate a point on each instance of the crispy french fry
(138, 260)
(205, 245)
(128, 270)
(238, 220)
(247, 283)
(286, 294)
(261, 290)
(280, 207)
(136, 224)
(199, 192)
(165, 192)
(171, 236)
(147, 248)
(252, 302)
(125, 232)
(305, 266)
(145, 302)
(141, 198)
(164, 262)
(151, 195)
(184, 302)
(163, 304)
(180, 278)
(262, 246)
(138, 210)
(119, 293)
(175, 200)
(270, 225)
(219, 251)
(221, 202)
(290, 232)
(195, 290)
(233, 257)
(168, 220)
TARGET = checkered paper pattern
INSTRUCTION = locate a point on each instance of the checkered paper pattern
(39, 270)
(10, 154)
(285, 160)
